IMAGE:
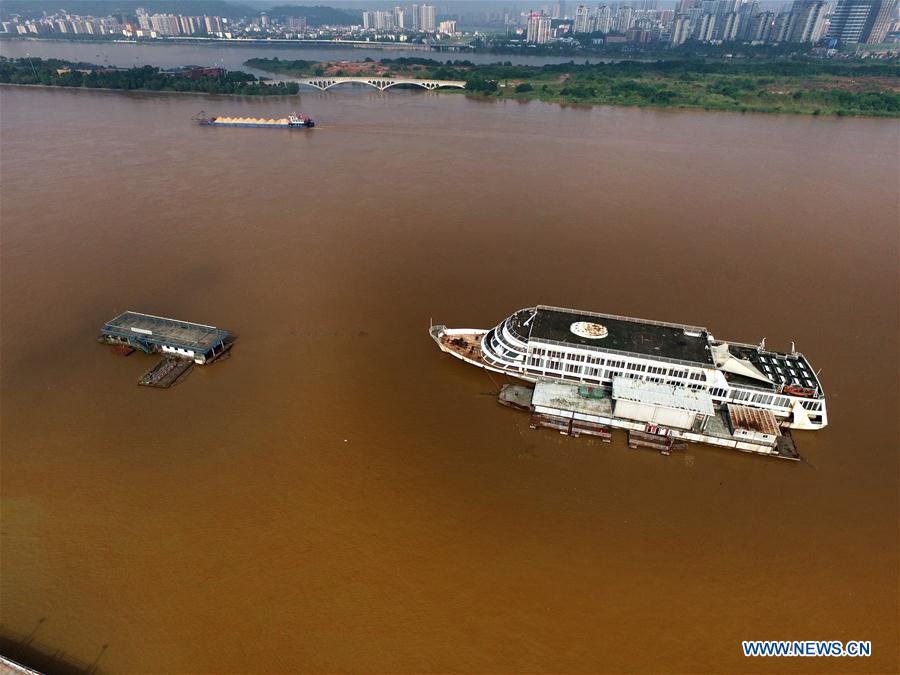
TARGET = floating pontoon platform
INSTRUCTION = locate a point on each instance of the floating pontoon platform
(154, 334)
(181, 343)
(167, 372)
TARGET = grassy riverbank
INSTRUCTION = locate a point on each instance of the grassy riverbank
(58, 73)
(812, 87)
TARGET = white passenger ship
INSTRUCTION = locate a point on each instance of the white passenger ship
(540, 344)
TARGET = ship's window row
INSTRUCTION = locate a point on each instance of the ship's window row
(512, 339)
(539, 366)
(502, 349)
(605, 375)
(539, 356)
(773, 400)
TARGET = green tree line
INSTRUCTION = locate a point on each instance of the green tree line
(58, 73)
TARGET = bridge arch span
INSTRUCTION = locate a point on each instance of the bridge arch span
(431, 86)
(382, 84)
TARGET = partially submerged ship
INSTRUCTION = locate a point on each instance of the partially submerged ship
(675, 379)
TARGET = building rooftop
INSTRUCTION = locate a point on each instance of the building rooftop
(640, 337)
(160, 330)
(662, 395)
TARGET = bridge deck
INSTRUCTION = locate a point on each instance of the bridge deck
(380, 83)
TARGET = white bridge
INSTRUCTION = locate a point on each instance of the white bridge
(380, 83)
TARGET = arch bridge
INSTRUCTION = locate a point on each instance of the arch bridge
(381, 83)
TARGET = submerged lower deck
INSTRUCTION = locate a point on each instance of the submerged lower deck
(565, 408)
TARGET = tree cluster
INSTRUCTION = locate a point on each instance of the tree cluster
(58, 73)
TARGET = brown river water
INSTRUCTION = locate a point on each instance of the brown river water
(339, 495)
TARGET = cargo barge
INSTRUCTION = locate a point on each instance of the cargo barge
(292, 121)
(647, 376)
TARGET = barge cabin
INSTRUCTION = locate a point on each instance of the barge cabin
(156, 334)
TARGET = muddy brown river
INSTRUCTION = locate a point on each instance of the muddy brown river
(341, 496)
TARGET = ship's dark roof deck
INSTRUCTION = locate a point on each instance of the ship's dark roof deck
(171, 332)
(634, 336)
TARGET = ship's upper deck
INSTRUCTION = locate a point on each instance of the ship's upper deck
(643, 338)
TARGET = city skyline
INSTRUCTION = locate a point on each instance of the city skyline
(831, 23)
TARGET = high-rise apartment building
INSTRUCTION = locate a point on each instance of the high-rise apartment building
(583, 20)
(681, 30)
(213, 24)
(624, 18)
(426, 18)
(165, 24)
(538, 30)
(807, 21)
(884, 18)
(855, 21)
(297, 23)
(731, 22)
(604, 19)
(747, 11)
(781, 29)
(760, 29)
(705, 28)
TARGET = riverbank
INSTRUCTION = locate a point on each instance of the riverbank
(228, 54)
(168, 92)
(779, 86)
(59, 73)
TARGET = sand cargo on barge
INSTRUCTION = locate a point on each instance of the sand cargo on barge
(292, 121)
(649, 377)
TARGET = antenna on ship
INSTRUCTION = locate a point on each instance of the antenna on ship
(530, 318)
(762, 344)
(793, 348)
